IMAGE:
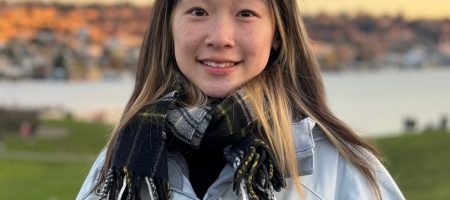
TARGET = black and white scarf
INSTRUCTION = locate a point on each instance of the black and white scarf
(140, 154)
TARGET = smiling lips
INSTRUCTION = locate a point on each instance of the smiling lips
(218, 64)
(219, 68)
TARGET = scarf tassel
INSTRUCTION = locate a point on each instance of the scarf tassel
(120, 184)
(257, 175)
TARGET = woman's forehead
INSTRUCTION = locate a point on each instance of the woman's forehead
(225, 1)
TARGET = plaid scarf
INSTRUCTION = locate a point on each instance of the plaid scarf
(140, 154)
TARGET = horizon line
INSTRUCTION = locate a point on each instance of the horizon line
(309, 9)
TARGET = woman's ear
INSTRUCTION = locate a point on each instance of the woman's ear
(276, 41)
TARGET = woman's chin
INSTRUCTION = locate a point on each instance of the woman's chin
(217, 93)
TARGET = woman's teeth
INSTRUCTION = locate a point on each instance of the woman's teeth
(215, 64)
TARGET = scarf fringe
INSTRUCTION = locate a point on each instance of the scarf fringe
(124, 186)
(256, 173)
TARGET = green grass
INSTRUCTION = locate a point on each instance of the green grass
(420, 164)
(40, 180)
(43, 180)
(83, 137)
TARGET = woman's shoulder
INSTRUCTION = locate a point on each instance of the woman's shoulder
(334, 177)
(91, 180)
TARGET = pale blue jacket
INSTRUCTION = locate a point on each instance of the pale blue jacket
(326, 174)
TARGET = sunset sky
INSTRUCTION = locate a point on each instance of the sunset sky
(409, 8)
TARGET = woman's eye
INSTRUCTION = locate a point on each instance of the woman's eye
(198, 12)
(246, 13)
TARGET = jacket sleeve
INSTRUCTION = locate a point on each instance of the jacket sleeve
(86, 192)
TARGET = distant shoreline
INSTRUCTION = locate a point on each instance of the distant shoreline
(374, 103)
(311, 8)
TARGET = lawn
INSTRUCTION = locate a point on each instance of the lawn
(419, 163)
(82, 138)
(51, 180)
(40, 180)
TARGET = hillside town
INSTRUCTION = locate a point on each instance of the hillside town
(366, 42)
(98, 42)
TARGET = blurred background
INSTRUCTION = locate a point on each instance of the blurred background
(67, 68)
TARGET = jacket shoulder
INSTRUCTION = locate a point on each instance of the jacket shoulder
(335, 177)
(86, 192)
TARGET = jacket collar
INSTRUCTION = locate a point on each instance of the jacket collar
(304, 145)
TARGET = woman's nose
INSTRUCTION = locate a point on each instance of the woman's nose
(221, 34)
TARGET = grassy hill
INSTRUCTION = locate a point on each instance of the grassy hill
(419, 163)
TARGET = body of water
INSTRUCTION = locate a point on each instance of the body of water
(377, 103)
(373, 103)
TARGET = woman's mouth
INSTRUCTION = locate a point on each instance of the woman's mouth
(219, 68)
(218, 64)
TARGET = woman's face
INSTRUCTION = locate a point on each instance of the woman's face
(222, 44)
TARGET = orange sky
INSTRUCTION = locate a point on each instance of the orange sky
(409, 8)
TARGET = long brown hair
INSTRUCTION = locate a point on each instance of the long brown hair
(290, 87)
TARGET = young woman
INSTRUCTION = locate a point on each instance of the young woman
(229, 104)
